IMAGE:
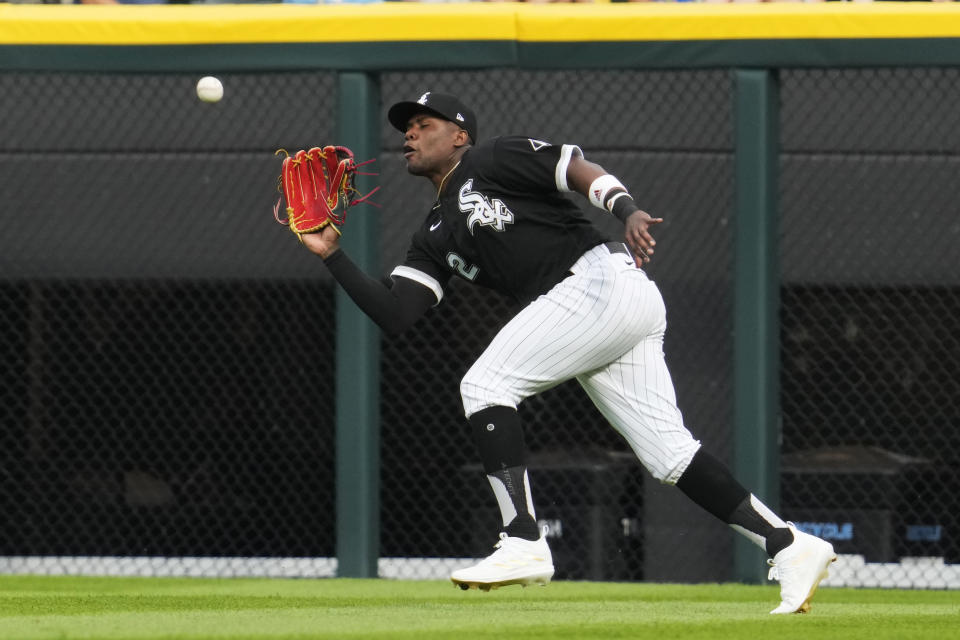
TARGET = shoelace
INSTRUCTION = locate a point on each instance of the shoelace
(505, 551)
(774, 573)
(500, 550)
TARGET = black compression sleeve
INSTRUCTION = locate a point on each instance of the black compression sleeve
(394, 308)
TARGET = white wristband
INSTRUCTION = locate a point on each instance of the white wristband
(601, 188)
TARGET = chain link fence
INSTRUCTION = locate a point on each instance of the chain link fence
(156, 326)
(871, 354)
(153, 319)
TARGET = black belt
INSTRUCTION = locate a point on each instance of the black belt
(617, 247)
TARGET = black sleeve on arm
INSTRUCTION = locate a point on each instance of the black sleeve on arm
(395, 308)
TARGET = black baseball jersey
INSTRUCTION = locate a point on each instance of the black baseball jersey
(503, 221)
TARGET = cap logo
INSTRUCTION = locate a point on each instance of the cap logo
(460, 117)
(423, 98)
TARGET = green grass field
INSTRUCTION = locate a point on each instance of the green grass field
(136, 608)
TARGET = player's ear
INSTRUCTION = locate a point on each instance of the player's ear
(462, 138)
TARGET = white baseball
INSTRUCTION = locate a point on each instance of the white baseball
(209, 89)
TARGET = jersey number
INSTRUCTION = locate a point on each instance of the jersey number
(460, 265)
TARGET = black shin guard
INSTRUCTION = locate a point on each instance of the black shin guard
(499, 437)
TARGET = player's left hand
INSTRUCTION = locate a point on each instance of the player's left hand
(324, 243)
(637, 235)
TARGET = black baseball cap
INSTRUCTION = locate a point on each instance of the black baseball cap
(442, 105)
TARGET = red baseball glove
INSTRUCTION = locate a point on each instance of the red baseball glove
(318, 186)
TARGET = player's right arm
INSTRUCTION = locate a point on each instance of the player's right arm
(394, 307)
(527, 163)
(584, 177)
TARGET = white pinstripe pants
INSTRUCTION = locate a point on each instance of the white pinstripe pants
(603, 325)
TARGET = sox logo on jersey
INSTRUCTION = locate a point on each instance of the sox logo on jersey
(489, 213)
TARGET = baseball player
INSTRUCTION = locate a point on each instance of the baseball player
(502, 219)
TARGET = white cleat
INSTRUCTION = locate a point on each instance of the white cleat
(800, 567)
(515, 561)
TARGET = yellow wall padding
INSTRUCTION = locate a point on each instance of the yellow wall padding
(411, 21)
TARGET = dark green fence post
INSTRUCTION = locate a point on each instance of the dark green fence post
(756, 301)
(358, 350)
